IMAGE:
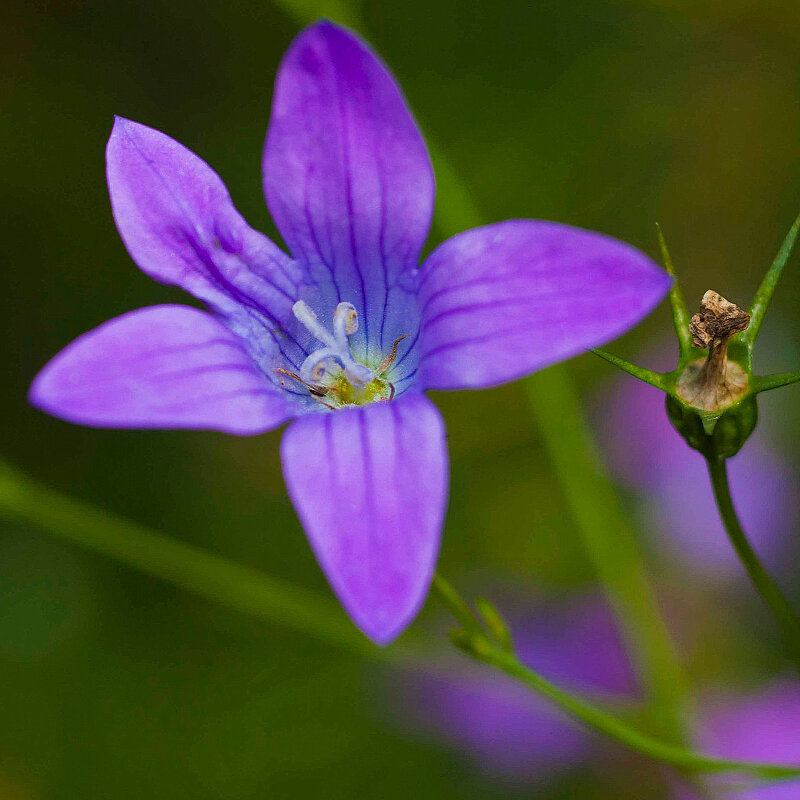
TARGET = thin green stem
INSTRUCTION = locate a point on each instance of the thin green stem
(609, 541)
(680, 313)
(767, 382)
(765, 291)
(614, 728)
(784, 614)
(657, 379)
(206, 574)
(457, 606)
(25, 501)
(483, 649)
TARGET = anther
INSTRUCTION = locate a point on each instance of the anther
(389, 360)
(317, 391)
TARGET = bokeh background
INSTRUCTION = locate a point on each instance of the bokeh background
(610, 115)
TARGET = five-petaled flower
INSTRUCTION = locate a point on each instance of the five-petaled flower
(344, 335)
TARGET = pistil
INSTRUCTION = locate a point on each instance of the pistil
(331, 374)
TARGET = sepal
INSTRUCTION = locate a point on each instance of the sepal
(677, 302)
(711, 394)
(495, 624)
(714, 435)
(474, 645)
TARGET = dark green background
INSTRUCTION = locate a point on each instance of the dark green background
(608, 115)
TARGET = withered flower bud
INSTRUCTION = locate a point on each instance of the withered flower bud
(714, 383)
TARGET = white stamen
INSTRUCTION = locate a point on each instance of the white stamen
(304, 314)
(337, 349)
(357, 373)
(317, 365)
(345, 323)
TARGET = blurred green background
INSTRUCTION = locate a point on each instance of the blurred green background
(607, 115)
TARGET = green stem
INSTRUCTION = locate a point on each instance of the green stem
(609, 541)
(203, 573)
(483, 649)
(767, 382)
(611, 726)
(456, 604)
(25, 501)
(784, 614)
(657, 379)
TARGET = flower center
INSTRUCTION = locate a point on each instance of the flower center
(331, 374)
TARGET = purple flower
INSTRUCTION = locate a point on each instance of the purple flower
(500, 724)
(763, 726)
(647, 455)
(328, 335)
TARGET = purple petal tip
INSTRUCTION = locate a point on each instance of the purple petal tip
(370, 487)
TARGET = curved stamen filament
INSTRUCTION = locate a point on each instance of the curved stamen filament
(317, 391)
(345, 323)
(304, 314)
(331, 371)
(389, 360)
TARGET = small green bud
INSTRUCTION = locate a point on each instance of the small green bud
(472, 644)
(495, 624)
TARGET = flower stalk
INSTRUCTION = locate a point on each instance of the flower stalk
(482, 647)
(249, 591)
(711, 402)
(782, 611)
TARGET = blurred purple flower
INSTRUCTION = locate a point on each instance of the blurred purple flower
(763, 726)
(504, 727)
(648, 456)
(345, 323)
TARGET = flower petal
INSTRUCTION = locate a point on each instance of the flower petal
(179, 225)
(502, 301)
(347, 176)
(160, 367)
(370, 487)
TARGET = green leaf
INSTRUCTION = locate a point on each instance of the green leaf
(765, 291)
(680, 313)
